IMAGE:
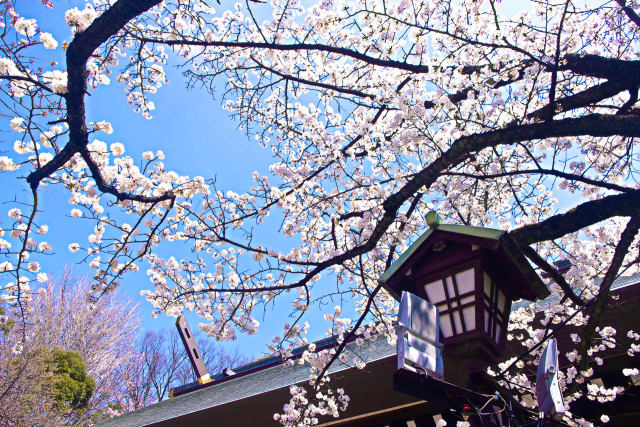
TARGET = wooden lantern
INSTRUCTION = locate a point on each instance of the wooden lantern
(472, 275)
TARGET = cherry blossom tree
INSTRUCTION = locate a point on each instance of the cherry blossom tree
(376, 113)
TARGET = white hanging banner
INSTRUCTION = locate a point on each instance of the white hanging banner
(419, 348)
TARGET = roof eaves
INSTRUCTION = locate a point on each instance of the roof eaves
(510, 248)
(480, 232)
(255, 366)
(255, 383)
(404, 257)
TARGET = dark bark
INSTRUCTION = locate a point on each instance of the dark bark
(595, 314)
(631, 14)
(553, 273)
(78, 52)
(583, 215)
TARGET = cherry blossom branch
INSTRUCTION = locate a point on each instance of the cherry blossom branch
(545, 337)
(223, 238)
(586, 214)
(349, 336)
(77, 55)
(544, 171)
(23, 250)
(463, 39)
(379, 62)
(554, 71)
(343, 150)
(626, 239)
(307, 82)
(110, 189)
(412, 207)
(147, 245)
(27, 79)
(530, 253)
(631, 14)
(621, 75)
(242, 290)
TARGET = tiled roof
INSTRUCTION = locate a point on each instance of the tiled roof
(263, 376)
(625, 281)
(619, 283)
(250, 384)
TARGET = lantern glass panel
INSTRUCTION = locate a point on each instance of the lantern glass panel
(457, 321)
(450, 289)
(469, 314)
(445, 325)
(465, 281)
(466, 300)
(486, 321)
(435, 292)
(501, 301)
(454, 296)
(487, 285)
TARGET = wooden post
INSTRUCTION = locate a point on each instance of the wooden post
(192, 350)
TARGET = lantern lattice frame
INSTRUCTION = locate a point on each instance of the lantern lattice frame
(472, 275)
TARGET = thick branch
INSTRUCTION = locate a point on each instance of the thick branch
(631, 14)
(600, 67)
(622, 248)
(79, 51)
(553, 273)
(588, 96)
(581, 216)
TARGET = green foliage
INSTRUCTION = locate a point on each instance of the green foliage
(6, 324)
(73, 387)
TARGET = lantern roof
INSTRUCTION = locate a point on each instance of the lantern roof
(498, 243)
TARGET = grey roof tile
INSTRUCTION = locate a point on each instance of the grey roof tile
(251, 384)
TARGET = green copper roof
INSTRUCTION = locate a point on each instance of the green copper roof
(481, 232)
